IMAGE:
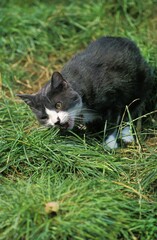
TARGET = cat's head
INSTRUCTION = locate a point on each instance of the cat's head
(56, 104)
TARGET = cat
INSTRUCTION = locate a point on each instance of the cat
(95, 86)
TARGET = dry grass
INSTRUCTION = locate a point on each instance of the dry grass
(99, 194)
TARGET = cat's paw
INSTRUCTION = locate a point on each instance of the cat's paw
(111, 142)
(127, 136)
(128, 139)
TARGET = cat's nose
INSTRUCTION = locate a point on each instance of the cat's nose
(58, 121)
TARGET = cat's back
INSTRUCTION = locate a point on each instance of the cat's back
(111, 50)
(106, 51)
(112, 43)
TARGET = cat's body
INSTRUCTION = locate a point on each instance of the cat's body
(97, 83)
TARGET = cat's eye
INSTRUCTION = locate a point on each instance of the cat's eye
(58, 105)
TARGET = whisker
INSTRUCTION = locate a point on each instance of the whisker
(74, 110)
(76, 117)
(83, 109)
(88, 110)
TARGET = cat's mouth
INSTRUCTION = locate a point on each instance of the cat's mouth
(64, 125)
(67, 125)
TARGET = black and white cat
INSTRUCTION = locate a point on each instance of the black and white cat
(95, 84)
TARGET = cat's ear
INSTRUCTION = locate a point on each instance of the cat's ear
(57, 81)
(27, 98)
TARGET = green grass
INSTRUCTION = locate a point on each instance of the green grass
(101, 195)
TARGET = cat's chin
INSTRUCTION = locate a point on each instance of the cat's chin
(66, 126)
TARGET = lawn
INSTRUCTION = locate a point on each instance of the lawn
(95, 194)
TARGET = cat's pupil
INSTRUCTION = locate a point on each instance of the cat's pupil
(58, 105)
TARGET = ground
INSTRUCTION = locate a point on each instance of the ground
(91, 193)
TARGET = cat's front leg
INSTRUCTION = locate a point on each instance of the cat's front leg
(111, 141)
(126, 134)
